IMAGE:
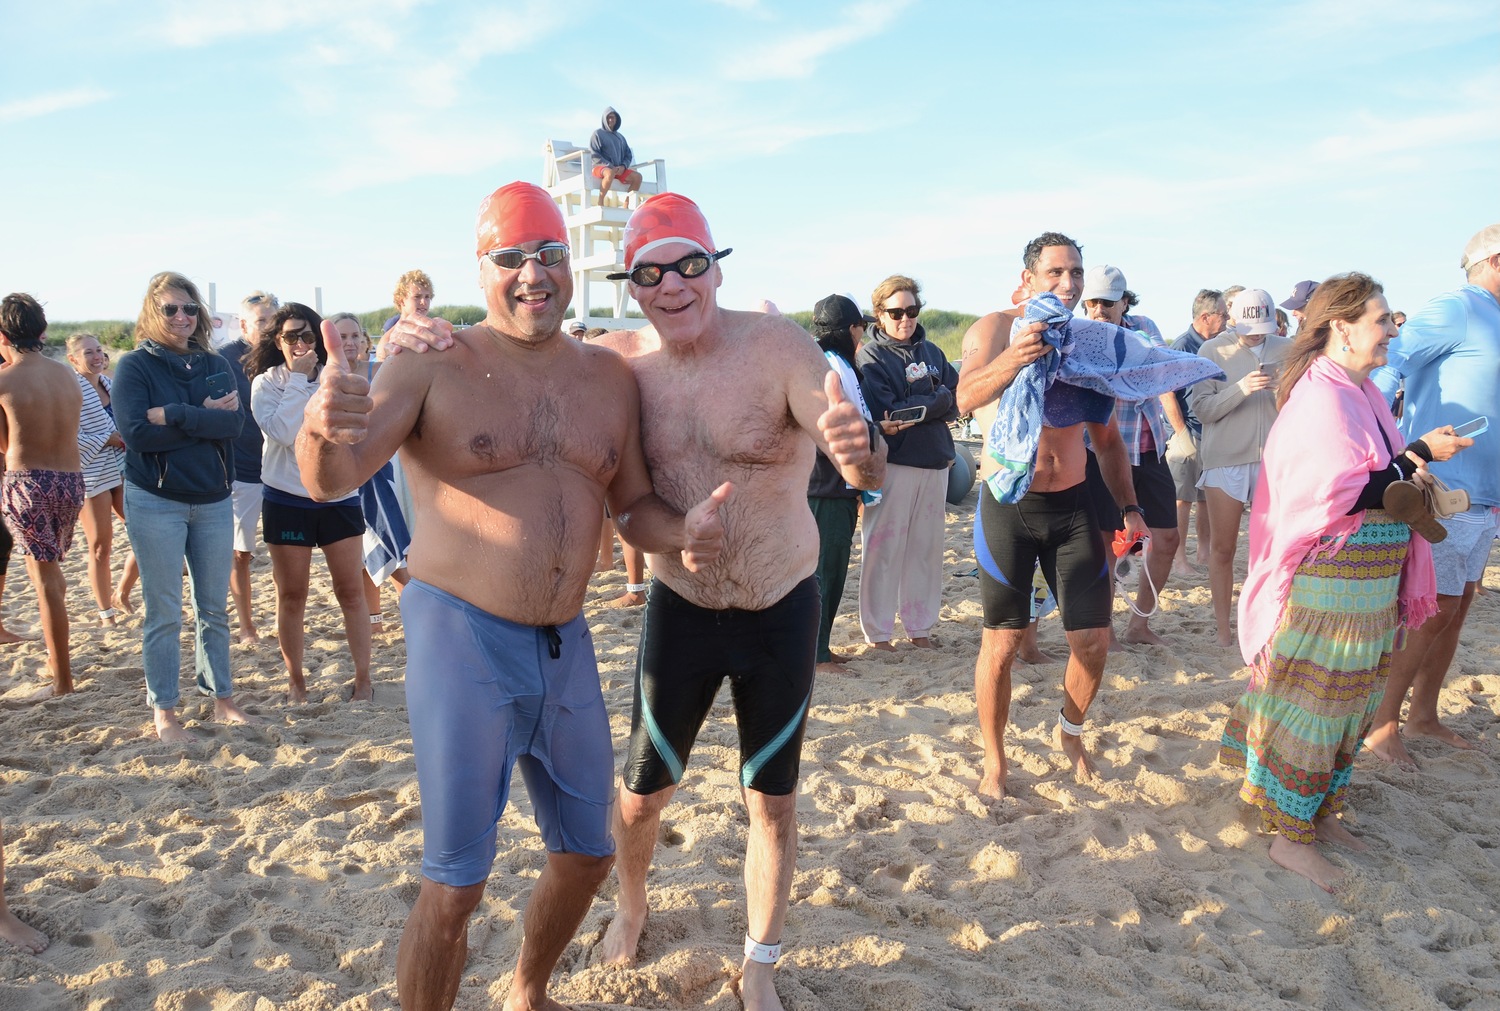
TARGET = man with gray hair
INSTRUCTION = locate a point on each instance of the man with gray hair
(256, 310)
(1448, 354)
(1209, 317)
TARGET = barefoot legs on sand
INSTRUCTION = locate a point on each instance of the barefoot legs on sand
(1225, 525)
(1421, 666)
(28, 939)
(1087, 650)
(997, 652)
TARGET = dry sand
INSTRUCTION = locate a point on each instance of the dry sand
(272, 867)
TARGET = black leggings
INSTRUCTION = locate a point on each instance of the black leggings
(687, 651)
(1056, 529)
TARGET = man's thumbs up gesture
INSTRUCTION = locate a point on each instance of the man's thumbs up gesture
(842, 426)
(339, 411)
(705, 530)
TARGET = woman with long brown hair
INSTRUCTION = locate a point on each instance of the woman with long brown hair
(1332, 578)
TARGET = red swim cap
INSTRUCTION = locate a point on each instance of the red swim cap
(515, 213)
(664, 218)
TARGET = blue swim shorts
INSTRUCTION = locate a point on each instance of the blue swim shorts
(484, 694)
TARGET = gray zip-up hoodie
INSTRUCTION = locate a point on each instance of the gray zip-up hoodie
(609, 145)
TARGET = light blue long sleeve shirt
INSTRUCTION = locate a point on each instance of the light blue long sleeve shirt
(1448, 353)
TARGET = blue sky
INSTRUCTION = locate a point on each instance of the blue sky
(283, 144)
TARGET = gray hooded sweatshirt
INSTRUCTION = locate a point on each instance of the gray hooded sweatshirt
(609, 145)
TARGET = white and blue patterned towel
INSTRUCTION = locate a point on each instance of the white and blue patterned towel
(1099, 357)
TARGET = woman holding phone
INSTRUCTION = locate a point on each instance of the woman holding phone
(1237, 412)
(283, 367)
(177, 408)
(907, 381)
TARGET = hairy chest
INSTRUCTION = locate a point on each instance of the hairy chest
(473, 430)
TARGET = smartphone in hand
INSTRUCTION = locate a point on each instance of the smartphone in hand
(220, 384)
(904, 414)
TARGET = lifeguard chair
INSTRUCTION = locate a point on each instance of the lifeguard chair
(596, 232)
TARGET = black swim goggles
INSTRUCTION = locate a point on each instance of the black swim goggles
(649, 275)
(512, 258)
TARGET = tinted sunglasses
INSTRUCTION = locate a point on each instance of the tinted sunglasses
(268, 299)
(170, 309)
(298, 337)
(649, 275)
(1108, 303)
(899, 314)
(549, 255)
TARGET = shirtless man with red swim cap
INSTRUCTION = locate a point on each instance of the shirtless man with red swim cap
(748, 398)
(512, 442)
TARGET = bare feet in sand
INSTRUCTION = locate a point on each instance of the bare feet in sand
(1140, 634)
(758, 986)
(923, 642)
(169, 728)
(884, 647)
(363, 691)
(9, 638)
(1304, 859)
(627, 599)
(122, 599)
(992, 782)
(1436, 731)
(248, 636)
(28, 939)
(226, 711)
(1182, 567)
(1225, 638)
(519, 1003)
(1385, 744)
(296, 693)
(621, 937)
(1083, 765)
(1330, 829)
(832, 667)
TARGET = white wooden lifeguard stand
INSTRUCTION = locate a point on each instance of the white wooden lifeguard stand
(597, 233)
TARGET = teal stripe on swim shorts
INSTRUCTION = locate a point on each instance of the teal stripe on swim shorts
(764, 755)
(659, 740)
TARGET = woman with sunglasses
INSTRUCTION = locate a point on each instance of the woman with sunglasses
(283, 367)
(177, 408)
(902, 536)
(102, 452)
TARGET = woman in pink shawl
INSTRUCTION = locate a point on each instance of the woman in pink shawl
(1332, 576)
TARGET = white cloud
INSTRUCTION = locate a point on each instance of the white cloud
(46, 105)
(192, 24)
(791, 56)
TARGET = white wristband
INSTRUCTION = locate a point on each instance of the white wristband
(1068, 727)
(636, 587)
(757, 952)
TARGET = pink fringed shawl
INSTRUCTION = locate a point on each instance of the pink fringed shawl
(1318, 458)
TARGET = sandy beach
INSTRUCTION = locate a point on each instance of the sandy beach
(272, 866)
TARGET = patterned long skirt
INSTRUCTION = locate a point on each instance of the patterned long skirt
(1314, 695)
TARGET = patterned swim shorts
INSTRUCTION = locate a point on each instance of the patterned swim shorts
(42, 509)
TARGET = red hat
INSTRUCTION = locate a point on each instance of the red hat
(664, 218)
(515, 213)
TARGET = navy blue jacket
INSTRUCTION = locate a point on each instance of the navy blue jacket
(190, 458)
(883, 371)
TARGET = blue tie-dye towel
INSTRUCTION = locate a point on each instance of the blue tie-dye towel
(1100, 357)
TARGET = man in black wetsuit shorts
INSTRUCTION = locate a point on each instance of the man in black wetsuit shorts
(1052, 525)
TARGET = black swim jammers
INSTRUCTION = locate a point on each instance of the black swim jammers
(687, 651)
(1056, 529)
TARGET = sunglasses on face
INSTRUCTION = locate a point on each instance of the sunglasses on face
(299, 337)
(649, 275)
(900, 313)
(268, 299)
(549, 255)
(1104, 303)
(189, 310)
